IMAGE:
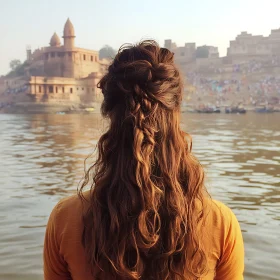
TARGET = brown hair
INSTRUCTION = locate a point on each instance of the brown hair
(142, 221)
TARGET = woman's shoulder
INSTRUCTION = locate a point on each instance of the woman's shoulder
(219, 209)
(73, 199)
(219, 212)
(71, 207)
(216, 213)
(220, 216)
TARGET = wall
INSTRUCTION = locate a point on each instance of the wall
(183, 56)
(85, 62)
(237, 49)
(15, 83)
(92, 93)
(263, 49)
(168, 44)
(78, 63)
(54, 64)
(55, 89)
(68, 65)
(249, 45)
(13, 89)
(213, 52)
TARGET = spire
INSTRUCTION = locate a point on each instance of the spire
(55, 41)
(68, 29)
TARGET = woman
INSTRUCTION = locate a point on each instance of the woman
(147, 214)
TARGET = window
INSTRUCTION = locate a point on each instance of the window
(47, 56)
(77, 88)
(84, 57)
(91, 58)
(82, 88)
(52, 54)
(56, 90)
(50, 89)
(71, 90)
(63, 89)
(40, 89)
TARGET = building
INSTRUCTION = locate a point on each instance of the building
(213, 52)
(182, 55)
(64, 89)
(255, 46)
(191, 58)
(59, 72)
(67, 60)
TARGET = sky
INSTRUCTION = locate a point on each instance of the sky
(115, 22)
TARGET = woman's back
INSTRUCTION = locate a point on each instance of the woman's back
(65, 257)
(147, 214)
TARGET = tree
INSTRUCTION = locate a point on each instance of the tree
(14, 64)
(107, 52)
(202, 52)
(18, 68)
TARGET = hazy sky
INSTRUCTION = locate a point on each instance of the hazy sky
(114, 22)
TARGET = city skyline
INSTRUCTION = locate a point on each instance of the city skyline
(98, 23)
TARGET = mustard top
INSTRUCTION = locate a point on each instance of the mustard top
(64, 255)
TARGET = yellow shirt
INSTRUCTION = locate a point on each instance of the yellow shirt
(64, 255)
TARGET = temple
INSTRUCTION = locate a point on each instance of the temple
(58, 73)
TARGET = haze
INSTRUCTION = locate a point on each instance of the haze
(97, 23)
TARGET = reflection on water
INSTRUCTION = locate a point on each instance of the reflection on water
(42, 158)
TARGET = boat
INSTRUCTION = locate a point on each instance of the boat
(264, 110)
(235, 110)
(208, 110)
(90, 109)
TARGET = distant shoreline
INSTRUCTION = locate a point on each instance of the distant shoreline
(94, 108)
(49, 108)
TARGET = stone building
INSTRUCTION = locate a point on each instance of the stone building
(64, 89)
(182, 55)
(67, 60)
(186, 56)
(255, 46)
(213, 52)
(59, 72)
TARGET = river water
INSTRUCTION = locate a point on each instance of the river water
(42, 159)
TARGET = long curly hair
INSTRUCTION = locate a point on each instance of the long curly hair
(143, 214)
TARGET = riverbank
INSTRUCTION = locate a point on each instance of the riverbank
(94, 107)
(229, 109)
(50, 108)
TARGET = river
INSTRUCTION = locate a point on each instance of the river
(42, 160)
